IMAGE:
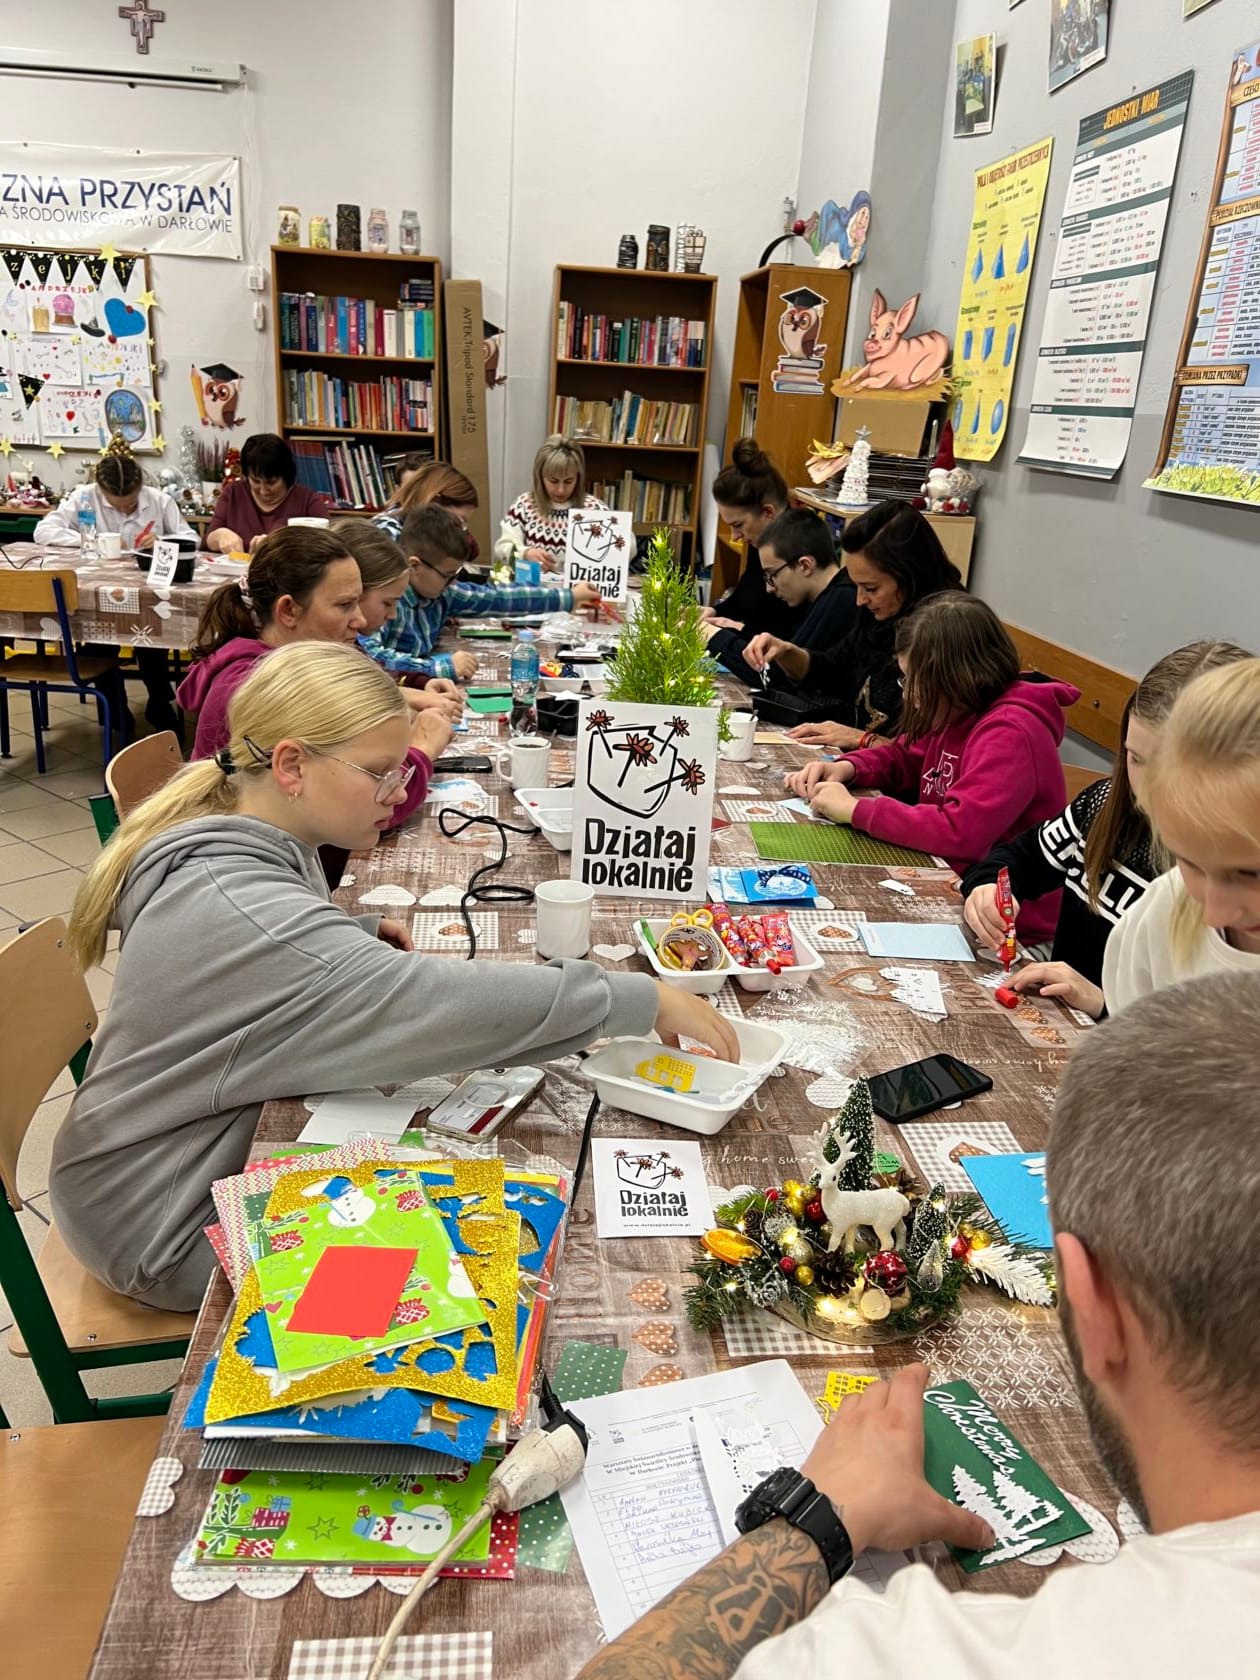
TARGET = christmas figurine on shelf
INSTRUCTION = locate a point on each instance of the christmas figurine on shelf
(231, 465)
(854, 490)
(948, 487)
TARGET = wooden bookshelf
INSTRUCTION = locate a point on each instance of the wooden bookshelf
(358, 274)
(624, 294)
(786, 422)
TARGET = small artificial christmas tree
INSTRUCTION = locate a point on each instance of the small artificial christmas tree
(662, 658)
(856, 1122)
(853, 490)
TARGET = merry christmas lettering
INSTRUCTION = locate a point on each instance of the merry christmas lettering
(652, 860)
(978, 1424)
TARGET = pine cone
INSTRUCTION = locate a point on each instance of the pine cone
(834, 1274)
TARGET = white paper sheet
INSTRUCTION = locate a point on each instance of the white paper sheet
(919, 989)
(644, 1188)
(343, 1113)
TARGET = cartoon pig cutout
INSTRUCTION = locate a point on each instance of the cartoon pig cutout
(893, 361)
(422, 1531)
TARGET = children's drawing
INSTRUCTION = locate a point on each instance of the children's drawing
(837, 235)
(74, 413)
(56, 361)
(124, 319)
(19, 414)
(800, 329)
(893, 361)
(217, 391)
(115, 361)
(126, 412)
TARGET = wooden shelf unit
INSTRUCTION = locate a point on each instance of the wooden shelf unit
(622, 294)
(787, 422)
(358, 274)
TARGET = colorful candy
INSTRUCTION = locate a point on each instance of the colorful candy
(729, 934)
(779, 938)
(753, 934)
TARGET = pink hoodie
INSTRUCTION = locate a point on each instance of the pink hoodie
(208, 689)
(973, 784)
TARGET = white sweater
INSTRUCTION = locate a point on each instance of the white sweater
(1139, 957)
(60, 528)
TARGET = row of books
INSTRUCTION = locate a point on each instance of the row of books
(353, 474)
(312, 398)
(628, 418)
(360, 326)
(654, 341)
(652, 501)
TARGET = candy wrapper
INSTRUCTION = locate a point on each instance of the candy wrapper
(729, 934)
(779, 938)
(753, 934)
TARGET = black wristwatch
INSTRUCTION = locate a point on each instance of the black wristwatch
(788, 1494)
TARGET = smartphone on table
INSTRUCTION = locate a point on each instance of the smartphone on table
(471, 764)
(919, 1088)
(484, 1101)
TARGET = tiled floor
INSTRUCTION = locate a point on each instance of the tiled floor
(47, 839)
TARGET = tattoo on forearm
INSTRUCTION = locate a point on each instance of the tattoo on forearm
(762, 1585)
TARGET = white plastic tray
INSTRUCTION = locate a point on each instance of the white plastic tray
(551, 810)
(720, 1090)
(596, 675)
(788, 979)
(712, 980)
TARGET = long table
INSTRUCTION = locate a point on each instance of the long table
(117, 604)
(845, 1022)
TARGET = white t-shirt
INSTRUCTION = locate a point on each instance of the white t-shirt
(60, 528)
(1171, 1605)
(1139, 957)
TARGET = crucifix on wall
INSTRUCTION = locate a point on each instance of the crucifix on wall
(144, 19)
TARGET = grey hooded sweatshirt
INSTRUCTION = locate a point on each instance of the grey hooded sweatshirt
(239, 981)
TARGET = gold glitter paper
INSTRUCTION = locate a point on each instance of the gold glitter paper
(482, 1178)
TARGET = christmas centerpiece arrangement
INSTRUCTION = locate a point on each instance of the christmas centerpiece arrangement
(857, 1252)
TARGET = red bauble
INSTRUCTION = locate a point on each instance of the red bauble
(886, 1270)
(960, 1248)
(814, 1212)
(772, 1195)
(787, 1265)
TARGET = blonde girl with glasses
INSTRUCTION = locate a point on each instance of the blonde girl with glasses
(239, 981)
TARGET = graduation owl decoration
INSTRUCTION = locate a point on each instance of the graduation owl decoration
(217, 391)
(798, 371)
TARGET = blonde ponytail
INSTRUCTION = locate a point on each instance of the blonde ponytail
(319, 693)
(1204, 775)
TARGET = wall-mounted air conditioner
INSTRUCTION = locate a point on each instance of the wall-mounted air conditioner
(135, 69)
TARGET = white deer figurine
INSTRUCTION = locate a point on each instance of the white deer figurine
(846, 1210)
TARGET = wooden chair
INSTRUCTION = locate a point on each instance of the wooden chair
(52, 594)
(141, 769)
(69, 1497)
(65, 1321)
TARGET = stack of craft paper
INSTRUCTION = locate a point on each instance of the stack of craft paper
(382, 1300)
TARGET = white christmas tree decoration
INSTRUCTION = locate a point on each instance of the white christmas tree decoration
(1018, 1274)
(1014, 1513)
(853, 489)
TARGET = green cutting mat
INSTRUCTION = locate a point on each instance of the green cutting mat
(487, 704)
(792, 842)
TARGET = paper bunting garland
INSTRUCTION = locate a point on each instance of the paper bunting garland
(95, 267)
(123, 267)
(66, 265)
(13, 261)
(31, 387)
(41, 262)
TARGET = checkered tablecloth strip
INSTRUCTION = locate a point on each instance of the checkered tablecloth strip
(751, 1335)
(445, 931)
(932, 1143)
(424, 1656)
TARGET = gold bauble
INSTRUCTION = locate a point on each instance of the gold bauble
(975, 1235)
(730, 1246)
(804, 1275)
(796, 1200)
(792, 1186)
(874, 1305)
(786, 1239)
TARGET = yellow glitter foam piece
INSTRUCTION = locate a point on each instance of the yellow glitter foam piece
(669, 1072)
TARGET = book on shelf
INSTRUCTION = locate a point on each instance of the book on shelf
(647, 341)
(313, 398)
(652, 501)
(798, 376)
(628, 418)
(748, 411)
(353, 474)
(349, 326)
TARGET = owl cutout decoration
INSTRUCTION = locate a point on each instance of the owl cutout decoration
(217, 390)
(798, 371)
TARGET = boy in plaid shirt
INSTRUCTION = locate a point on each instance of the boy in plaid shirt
(436, 546)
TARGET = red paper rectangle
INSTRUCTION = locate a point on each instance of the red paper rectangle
(353, 1291)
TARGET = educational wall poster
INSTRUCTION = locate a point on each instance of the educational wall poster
(1078, 38)
(1211, 441)
(76, 349)
(643, 798)
(180, 203)
(599, 547)
(1001, 248)
(975, 83)
(1106, 261)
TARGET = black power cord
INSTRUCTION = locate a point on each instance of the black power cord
(479, 891)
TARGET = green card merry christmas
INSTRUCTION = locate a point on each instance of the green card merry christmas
(972, 1459)
(293, 1517)
(357, 1261)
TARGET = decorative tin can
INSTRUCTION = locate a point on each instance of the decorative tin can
(289, 231)
(349, 231)
(320, 234)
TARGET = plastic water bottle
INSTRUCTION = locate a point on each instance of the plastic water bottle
(87, 532)
(524, 720)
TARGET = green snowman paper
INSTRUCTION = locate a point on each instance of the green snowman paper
(357, 1261)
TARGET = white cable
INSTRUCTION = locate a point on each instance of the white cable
(389, 1639)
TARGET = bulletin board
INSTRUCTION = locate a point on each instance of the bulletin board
(77, 351)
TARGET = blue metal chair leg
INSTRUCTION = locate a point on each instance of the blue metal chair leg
(109, 726)
(37, 724)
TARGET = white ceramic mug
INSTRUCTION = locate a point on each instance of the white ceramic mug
(526, 761)
(564, 918)
(109, 545)
(740, 746)
(311, 520)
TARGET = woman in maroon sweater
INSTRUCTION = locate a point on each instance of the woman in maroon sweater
(264, 498)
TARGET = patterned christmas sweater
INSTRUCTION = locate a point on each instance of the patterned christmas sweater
(1053, 855)
(546, 530)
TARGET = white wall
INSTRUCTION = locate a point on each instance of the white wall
(1111, 569)
(625, 113)
(333, 111)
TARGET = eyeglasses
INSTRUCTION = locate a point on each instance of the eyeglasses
(771, 575)
(446, 577)
(388, 782)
